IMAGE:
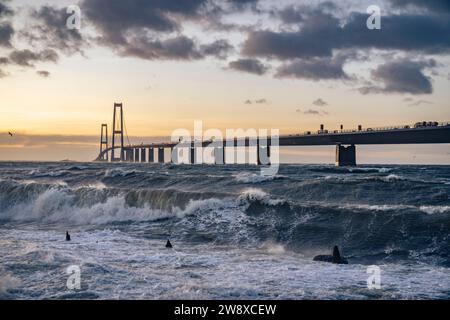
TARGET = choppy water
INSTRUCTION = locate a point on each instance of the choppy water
(235, 234)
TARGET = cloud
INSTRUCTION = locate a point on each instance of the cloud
(401, 76)
(314, 69)
(219, 49)
(6, 28)
(320, 103)
(5, 10)
(257, 101)
(119, 22)
(50, 30)
(177, 48)
(26, 58)
(249, 65)
(294, 14)
(43, 73)
(312, 112)
(420, 102)
(432, 5)
(322, 33)
(6, 34)
(3, 74)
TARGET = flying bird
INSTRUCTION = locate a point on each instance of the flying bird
(10, 133)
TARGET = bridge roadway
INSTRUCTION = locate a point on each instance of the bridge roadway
(376, 136)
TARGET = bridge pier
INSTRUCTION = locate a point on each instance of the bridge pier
(219, 155)
(160, 155)
(128, 155)
(192, 155)
(174, 155)
(143, 155)
(345, 156)
(136, 155)
(263, 152)
(151, 155)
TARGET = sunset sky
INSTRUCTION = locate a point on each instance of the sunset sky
(290, 65)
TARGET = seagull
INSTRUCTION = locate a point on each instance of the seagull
(10, 133)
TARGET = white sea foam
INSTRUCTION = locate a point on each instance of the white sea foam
(254, 194)
(8, 282)
(246, 177)
(435, 209)
(58, 205)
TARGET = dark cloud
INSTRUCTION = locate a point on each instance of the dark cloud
(6, 28)
(294, 14)
(27, 58)
(432, 5)
(322, 33)
(314, 69)
(401, 76)
(177, 48)
(320, 103)
(116, 19)
(6, 34)
(50, 30)
(314, 40)
(4, 60)
(145, 29)
(219, 49)
(5, 10)
(43, 73)
(249, 65)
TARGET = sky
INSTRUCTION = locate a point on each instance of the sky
(290, 65)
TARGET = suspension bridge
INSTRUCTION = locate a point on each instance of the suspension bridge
(344, 140)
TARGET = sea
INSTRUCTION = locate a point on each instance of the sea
(236, 234)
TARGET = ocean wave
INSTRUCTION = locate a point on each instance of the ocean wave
(354, 170)
(56, 205)
(112, 173)
(253, 178)
(435, 209)
(7, 282)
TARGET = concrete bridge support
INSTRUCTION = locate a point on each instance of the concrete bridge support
(263, 152)
(136, 155)
(151, 155)
(143, 155)
(219, 155)
(345, 155)
(129, 155)
(192, 155)
(160, 155)
(174, 158)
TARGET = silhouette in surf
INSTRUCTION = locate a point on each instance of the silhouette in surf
(168, 244)
(67, 236)
(334, 258)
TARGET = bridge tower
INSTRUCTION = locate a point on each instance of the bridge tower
(117, 131)
(104, 143)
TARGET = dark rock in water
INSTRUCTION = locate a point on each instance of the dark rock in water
(168, 244)
(334, 258)
(67, 236)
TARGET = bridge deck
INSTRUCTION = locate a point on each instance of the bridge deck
(394, 135)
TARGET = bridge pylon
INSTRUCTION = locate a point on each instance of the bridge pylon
(117, 132)
(103, 143)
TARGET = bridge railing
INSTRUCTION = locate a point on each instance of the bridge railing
(369, 129)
